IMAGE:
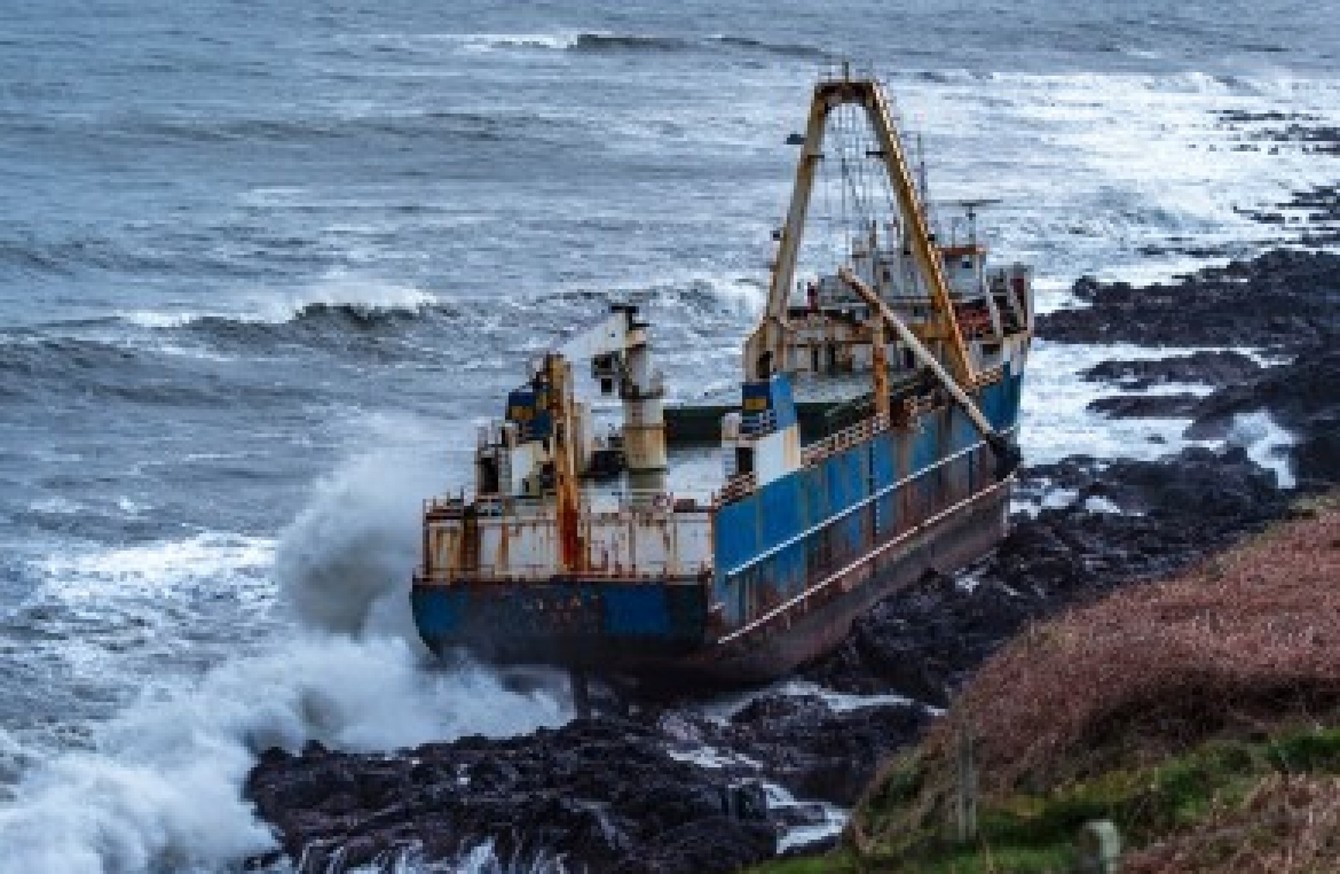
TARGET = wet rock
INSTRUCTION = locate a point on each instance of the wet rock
(813, 750)
(1181, 405)
(1284, 300)
(599, 794)
(1303, 396)
(924, 641)
(1281, 300)
(1220, 367)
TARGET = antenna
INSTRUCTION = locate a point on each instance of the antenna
(970, 207)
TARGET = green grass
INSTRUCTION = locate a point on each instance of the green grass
(839, 862)
(1028, 832)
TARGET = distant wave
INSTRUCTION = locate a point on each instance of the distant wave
(36, 358)
(66, 370)
(318, 324)
(336, 297)
(613, 42)
(599, 42)
(792, 50)
(956, 76)
(32, 255)
(209, 128)
(596, 42)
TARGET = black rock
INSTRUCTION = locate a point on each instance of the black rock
(813, 750)
(1171, 406)
(1283, 300)
(1222, 367)
(602, 795)
(1303, 396)
(924, 641)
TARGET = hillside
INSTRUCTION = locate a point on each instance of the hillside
(1200, 714)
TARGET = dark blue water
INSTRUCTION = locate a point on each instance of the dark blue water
(261, 265)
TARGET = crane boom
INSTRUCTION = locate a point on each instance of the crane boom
(1007, 456)
(766, 348)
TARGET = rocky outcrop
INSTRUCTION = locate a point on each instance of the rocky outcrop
(924, 641)
(813, 750)
(1283, 300)
(599, 795)
(1303, 396)
(1181, 405)
(1218, 367)
(606, 795)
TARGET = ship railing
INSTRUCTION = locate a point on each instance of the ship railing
(614, 501)
(758, 424)
(842, 440)
(991, 376)
(914, 407)
(852, 575)
(452, 507)
(652, 500)
(737, 487)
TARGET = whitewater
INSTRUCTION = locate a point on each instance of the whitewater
(259, 274)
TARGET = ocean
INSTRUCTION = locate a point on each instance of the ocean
(262, 267)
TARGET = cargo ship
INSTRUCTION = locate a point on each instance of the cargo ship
(872, 439)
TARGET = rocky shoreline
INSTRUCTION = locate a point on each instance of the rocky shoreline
(633, 793)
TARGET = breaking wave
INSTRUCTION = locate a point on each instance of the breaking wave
(160, 786)
(610, 42)
(339, 294)
(790, 50)
(607, 42)
(344, 564)
(85, 372)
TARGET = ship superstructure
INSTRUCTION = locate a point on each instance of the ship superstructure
(910, 472)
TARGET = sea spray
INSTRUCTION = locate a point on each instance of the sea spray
(344, 564)
(160, 785)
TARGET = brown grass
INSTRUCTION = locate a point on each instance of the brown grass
(1289, 824)
(1232, 647)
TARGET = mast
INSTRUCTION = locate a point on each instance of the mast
(567, 491)
(766, 348)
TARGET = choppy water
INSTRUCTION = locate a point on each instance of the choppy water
(262, 264)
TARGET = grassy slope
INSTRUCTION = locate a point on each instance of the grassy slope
(1199, 714)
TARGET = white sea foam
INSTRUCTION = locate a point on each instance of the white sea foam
(1055, 420)
(161, 789)
(1100, 504)
(96, 574)
(337, 288)
(723, 709)
(344, 564)
(489, 42)
(1266, 442)
(827, 819)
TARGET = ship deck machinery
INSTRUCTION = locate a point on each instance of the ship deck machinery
(802, 535)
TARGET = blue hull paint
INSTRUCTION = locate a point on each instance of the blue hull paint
(566, 621)
(772, 547)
